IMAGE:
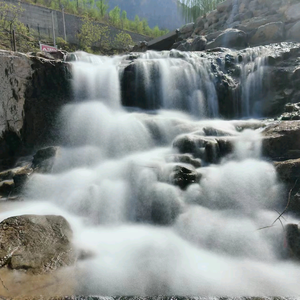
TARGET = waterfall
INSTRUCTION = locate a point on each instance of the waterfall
(255, 81)
(114, 177)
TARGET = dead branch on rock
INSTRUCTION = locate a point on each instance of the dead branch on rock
(284, 211)
(288, 203)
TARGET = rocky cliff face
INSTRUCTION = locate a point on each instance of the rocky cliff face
(239, 23)
(32, 91)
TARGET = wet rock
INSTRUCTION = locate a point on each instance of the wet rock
(198, 44)
(21, 178)
(142, 46)
(44, 158)
(289, 170)
(186, 159)
(6, 187)
(291, 112)
(10, 173)
(35, 243)
(209, 149)
(183, 176)
(269, 33)
(14, 179)
(33, 90)
(231, 38)
(211, 131)
(292, 238)
(281, 139)
(192, 44)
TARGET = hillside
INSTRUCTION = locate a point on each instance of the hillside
(162, 13)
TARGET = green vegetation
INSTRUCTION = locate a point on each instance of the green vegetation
(97, 10)
(192, 9)
(94, 36)
(122, 41)
(9, 21)
(92, 33)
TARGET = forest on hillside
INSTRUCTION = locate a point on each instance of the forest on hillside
(99, 10)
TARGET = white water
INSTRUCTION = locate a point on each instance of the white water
(112, 185)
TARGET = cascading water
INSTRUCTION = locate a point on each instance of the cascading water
(173, 80)
(145, 236)
(255, 81)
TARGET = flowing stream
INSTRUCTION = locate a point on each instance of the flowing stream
(112, 180)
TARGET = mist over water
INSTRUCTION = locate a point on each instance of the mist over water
(145, 235)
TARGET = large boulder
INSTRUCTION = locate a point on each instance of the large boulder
(281, 140)
(271, 32)
(224, 6)
(37, 244)
(192, 44)
(230, 38)
(186, 31)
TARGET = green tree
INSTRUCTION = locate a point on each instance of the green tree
(123, 41)
(91, 33)
(192, 9)
(9, 21)
(138, 25)
(114, 16)
(102, 7)
(124, 20)
(156, 31)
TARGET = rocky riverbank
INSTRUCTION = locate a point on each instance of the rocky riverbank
(38, 253)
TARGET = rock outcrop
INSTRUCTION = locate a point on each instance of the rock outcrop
(33, 90)
(250, 22)
(282, 140)
(35, 243)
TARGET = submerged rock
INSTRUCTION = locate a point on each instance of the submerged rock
(210, 149)
(36, 243)
(183, 176)
(44, 158)
(186, 159)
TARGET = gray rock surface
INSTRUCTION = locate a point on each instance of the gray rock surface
(271, 32)
(230, 38)
(281, 140)
(36, 243)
